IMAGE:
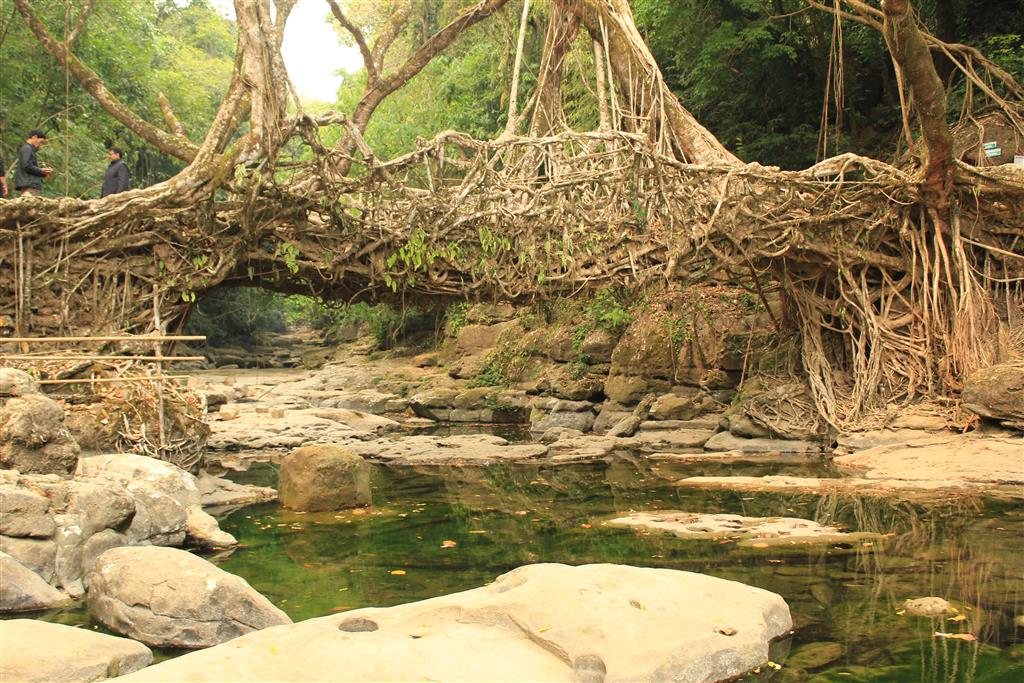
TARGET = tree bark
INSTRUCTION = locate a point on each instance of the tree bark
(910, 51)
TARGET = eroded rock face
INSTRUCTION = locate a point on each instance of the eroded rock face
(56, 527)
(16, 383)
(997, 393)
(545, 622)
(22, 590)
(32, 434)
(317, 478)
(167, 597)
(55, 653)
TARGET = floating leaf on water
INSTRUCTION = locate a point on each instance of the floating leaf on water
(478, 531)
(448, 544)
(758, 545)
(955, 636)
(521, 513)
(341, 608)
(901, 612)
(359, 511)
(774, 561)
(959, 617)
(398, 572)
(775, 666)
(585, 526)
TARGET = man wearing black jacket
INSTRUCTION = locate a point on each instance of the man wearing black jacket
(28, 179)
(116, 178)
(3, 178)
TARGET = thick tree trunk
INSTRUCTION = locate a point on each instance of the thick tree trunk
(910, 51)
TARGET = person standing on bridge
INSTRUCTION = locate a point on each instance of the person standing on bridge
(117, 178)
(28, 179)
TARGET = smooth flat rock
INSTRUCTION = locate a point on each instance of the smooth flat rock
(962, 457)
(54, 653)
(724, 441)
(295, 428)
(748, 530)
(846, 485)
(22, 590)
(466, 449)
(735, 456)
(672, 439)
(546, 622)
(166, 597)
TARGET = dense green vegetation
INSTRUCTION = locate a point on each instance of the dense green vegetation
(754, 71)
(183, 49)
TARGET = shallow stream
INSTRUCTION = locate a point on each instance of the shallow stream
(435, 531)
(846, 600)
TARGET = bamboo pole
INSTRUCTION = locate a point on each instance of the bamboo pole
(106, 380)
(133, 338)
(147, 359)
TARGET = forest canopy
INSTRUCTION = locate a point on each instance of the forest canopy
(754, 72)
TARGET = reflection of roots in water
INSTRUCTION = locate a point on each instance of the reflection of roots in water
(952, 561)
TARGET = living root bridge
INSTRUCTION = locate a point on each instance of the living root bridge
(889, 304)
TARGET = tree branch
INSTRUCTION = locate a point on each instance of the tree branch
(437, 43)
(364, 49)
(83, 16)
(176, 146)
(389, 34)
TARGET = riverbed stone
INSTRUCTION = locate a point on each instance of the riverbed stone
(748, 530)
(456, 450)
(929, 607)
(544, 622)
(33, 437)
(43, 652)
(315, 478)
(24, 513)
(997, 393)
(14, 382)
(673, 407)
(37, 554)
(22, 590)
(166, 597)
(725, 441)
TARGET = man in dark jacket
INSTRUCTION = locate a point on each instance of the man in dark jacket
(28, 179)
(3, 178)
(116, 178)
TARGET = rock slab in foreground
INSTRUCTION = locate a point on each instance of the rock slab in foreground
(166, 597)
(545, 622)
(749, 530)
(53, 653)
(317, 478)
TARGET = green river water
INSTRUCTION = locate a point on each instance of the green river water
(846, 601)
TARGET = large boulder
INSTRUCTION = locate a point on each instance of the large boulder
(324, 478)
(33, 437)
(22, 590)
(546, 622)
(167, 597)
(997, 393)
(167, 500)
(24, 513)
(54, 653)
(15, 382)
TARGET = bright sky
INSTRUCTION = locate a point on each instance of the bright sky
(311, 50)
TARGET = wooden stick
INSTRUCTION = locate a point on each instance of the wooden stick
(135, 338)
(105, 380)
(148, 359)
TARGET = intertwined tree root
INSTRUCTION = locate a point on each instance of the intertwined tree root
(891, 304)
